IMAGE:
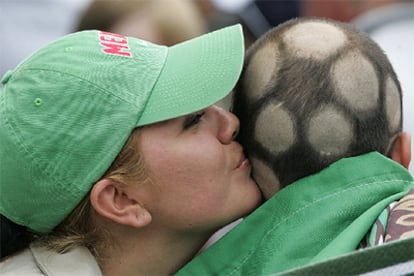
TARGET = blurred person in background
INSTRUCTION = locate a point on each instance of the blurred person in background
(256, 16)
(164, 22)
(342, 10)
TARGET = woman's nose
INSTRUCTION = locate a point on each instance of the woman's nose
(229, 125)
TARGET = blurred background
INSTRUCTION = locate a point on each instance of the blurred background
(27, 25)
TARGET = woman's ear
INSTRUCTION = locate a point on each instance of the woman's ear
(113, 201)
(401, 152)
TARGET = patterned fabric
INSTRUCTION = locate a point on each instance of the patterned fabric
(377, 232)
(401, 219)
(394, 223)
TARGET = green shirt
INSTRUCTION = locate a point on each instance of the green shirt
(314, 219)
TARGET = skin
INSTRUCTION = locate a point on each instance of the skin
(199, 181)
(212, 183)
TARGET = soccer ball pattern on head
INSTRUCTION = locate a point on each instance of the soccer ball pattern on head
(313, 91)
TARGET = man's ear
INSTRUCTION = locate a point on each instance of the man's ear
(113, 200)
(401, 151)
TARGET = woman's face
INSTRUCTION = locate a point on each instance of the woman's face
(200, 176)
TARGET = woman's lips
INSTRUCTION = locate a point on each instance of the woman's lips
(243, 163)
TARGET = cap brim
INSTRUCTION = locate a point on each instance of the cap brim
(197, 73)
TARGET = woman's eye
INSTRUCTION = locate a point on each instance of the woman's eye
(193, 119)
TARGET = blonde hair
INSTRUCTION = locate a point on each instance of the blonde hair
(79, 227)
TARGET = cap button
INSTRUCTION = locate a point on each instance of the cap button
(37, 102)
(6, 76)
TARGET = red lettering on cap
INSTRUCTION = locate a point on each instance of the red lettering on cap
(114, 44)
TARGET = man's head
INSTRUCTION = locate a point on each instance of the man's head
(313, 91)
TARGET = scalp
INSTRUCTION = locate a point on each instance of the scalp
(313, 91)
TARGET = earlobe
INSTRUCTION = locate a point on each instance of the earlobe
(112, 200)
(401, 151)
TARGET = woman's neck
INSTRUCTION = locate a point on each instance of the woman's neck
(151, 253)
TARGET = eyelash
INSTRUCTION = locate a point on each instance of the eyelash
(193, 119)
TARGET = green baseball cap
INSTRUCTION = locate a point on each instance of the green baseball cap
(68, 109)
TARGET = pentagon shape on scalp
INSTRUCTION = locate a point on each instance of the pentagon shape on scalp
(311, 92)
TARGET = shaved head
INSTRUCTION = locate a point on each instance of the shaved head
(313, 91)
